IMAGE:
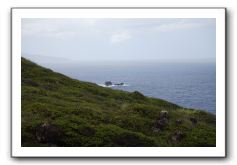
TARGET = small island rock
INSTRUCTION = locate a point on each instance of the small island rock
(119, 84)
(108, 83)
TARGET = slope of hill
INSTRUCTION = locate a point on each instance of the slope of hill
(61, 111)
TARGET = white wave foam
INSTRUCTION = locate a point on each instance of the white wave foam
(113, 85)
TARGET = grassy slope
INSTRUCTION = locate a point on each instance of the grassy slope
(90, 115)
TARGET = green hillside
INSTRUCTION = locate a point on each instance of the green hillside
(61, 111)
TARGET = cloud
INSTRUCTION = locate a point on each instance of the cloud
(56, 28)
(179, 25)
(114, 38)
(120, 37)
(113, 30)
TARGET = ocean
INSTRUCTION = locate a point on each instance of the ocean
(191, 85)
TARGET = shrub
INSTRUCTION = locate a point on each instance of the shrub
(116, 136)
(137, 95)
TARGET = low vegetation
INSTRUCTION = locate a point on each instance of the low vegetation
(61, 111)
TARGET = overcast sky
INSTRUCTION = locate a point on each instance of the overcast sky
(120, 39)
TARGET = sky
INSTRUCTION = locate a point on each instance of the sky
(119, 39)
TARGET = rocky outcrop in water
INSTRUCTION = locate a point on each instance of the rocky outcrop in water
(108, 83)
(119, 84)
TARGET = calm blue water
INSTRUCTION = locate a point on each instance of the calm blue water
(188, 85)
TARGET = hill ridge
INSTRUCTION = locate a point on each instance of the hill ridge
(60, 111)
